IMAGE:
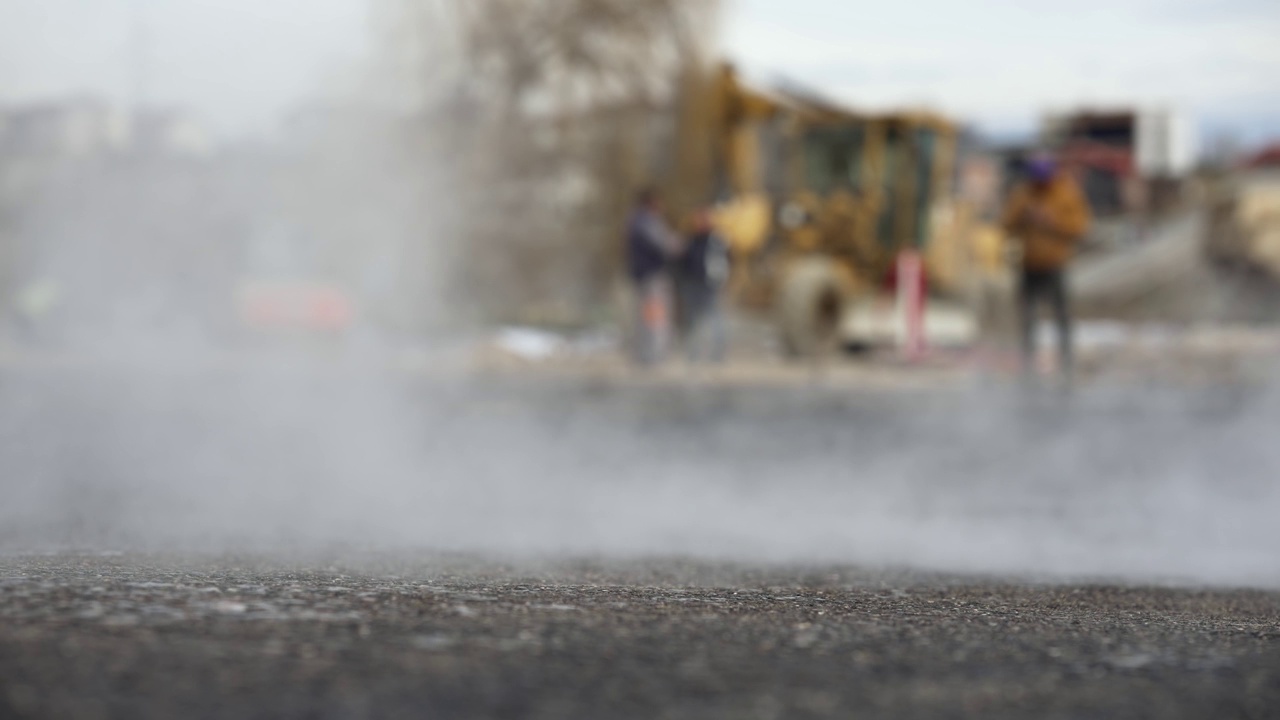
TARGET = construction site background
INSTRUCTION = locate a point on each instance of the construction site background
(481, 178)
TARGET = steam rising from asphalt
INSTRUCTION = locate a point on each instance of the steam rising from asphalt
(318, 456)
(306, 454)
(127, 434)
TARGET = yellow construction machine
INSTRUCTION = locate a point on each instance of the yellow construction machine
(818, 201)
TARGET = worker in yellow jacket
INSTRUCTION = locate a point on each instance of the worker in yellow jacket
(1048, 215)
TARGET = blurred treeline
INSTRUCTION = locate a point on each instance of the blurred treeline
(540, 119)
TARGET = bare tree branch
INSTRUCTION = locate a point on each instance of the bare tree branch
(564, 100)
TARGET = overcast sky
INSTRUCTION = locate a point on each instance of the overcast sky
(995, 62)
(238, 62)
(999, 62)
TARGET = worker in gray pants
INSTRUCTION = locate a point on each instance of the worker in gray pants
(1049, 215)
(703, 272)
(651, 245)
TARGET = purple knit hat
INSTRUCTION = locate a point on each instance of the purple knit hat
(1041, 168)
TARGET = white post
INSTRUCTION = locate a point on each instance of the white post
(911, 305)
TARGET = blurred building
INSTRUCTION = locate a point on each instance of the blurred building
(46, 142)
(86, 127)
(108, 213)
(1267, 157)
(1129, 161)
(68, 129)
(170, 132)
(1245, 214)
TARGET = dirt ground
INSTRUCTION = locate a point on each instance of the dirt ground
(1107, 351)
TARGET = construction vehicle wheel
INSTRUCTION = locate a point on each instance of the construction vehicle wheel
(810, 303)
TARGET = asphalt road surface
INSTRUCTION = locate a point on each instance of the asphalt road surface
(164, 637)
(308, 541)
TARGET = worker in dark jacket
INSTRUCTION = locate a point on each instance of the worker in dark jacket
(703, 275)
(1048, 215)
(650, 247)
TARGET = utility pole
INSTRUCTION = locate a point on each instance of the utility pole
(139, 58)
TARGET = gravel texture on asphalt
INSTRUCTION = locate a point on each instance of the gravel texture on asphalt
(101, 636)
(769, 514)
